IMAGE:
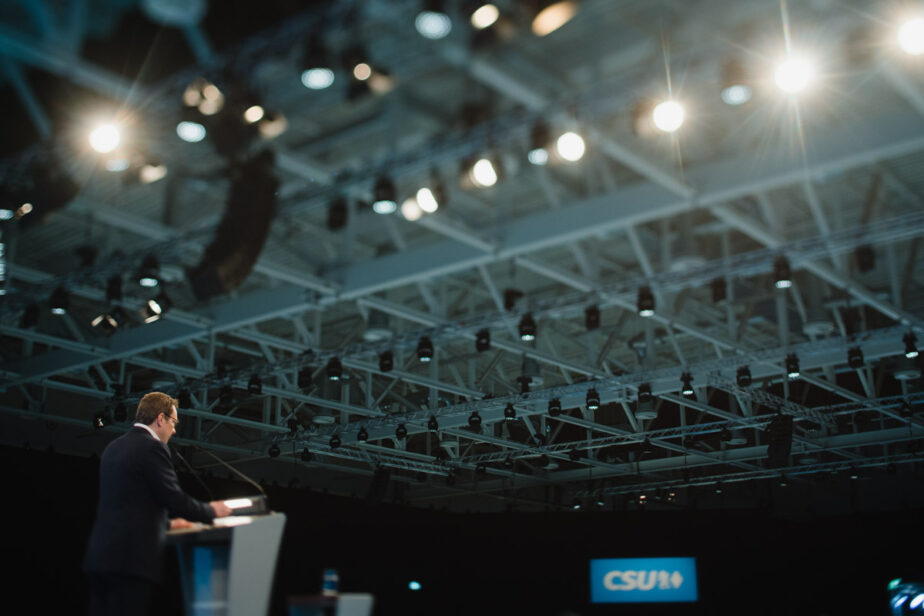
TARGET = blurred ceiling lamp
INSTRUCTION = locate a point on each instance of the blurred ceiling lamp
(155, 307)
(484, 16)
(149, 274)
(668, 116)
(432, 21)
(377, 326)
(427, 200)
(190, 132)
(272, 125)
(317, 69)
(411, 209)
(59, 301)
(484, 173)
(384, 196)
(254, 114)
(794, 74)
(105, 138)
(571, 146)
(782, 274)
(735, 88)
(911, 36)
(204, 96)
(151, 172)
(553, 15)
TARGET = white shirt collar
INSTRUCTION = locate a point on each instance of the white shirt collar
(148, 428)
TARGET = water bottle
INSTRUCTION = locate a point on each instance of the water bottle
(330, 583)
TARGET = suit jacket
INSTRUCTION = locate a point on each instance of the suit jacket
(138, 493)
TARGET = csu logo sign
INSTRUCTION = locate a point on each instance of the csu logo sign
(642, 580)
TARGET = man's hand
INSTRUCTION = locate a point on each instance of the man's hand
(221, 509)
(179, 523)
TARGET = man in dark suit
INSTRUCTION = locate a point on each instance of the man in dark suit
(138, 495)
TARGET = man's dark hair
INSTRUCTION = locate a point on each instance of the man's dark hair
(152, 405)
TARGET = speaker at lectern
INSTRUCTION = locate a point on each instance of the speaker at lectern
(227, 569)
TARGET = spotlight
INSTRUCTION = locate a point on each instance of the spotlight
(571, 146)
(642, 500)
(511, 297)
(794, 75)
(274, 451)
(743, 378)
(386, 361)
(149, 274)
(401, 432)
(735, 88)
(109, 321)
(855, 357)
(384, 199)
(792, 366)
(335, 442)
(190, 132)
(911, 37)
(668, 116)
(483, 340)
(59, 301)
(644, 408)
(484, 173)
(474, 420)
(646, 302)
(592, 318)
(334, 369)
(911, 351)
(100, 421)
(306, 455)
(337, 214)
(592, 399)
(426, 201)
(551, 16)
(105, 138)
(527, 328)
(362, 436)
(577, 505)
(510, 413)
(424, 349)
(687, 380)
(484, 16)
(782, 275)
(254, 114)
(433, 425)
(433, 22)
(155, 307)
(255, 385)
(317, 69)
(554, 407)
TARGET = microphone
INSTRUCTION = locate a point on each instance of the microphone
(233, 470)
(193, 471)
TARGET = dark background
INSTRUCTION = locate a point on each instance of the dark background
(757, 561)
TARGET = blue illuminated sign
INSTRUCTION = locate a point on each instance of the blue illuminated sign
(643, 580)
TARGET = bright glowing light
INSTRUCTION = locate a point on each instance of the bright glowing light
(238, 503)
(414, 585)
(209, 107)
(736, 95)
(570, 146)
(668, 116)
(911, 36)
(212, 93)
(116, 164)
(6, 214)
(105, 138)
(553, 17)
(794, 75)
(24, 209)
(384, 206)
(918, 600)
(253, 114)
(151, 173)
(538, 156)
(190, 132)
(433, 25)
(362, 71)
(783, 284)
(410, 209)
(272, 126)
(427, 200)
(483, 173)
(485, 16)
(318, 78)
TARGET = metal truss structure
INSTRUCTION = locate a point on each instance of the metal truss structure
(831, 181)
